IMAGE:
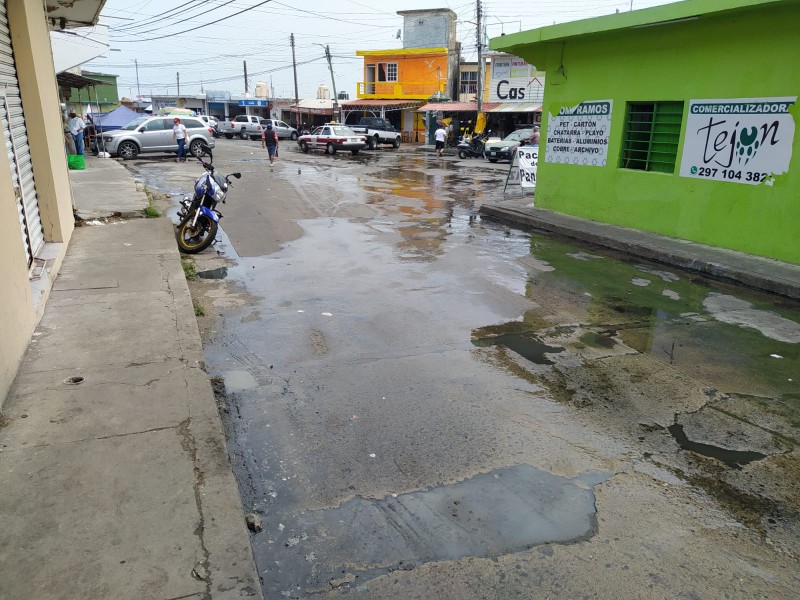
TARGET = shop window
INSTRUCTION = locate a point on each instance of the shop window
(650, 139)
(387, 71)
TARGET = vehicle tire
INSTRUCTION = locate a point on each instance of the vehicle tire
(243, 135)
(128, 150)
(228, 136)
(396, 143)
(294, 136)
(493, 160)
(192, 240)
(371, 143)
(376, 140)
(303, 147)
(354, 152)
(330, 149)
(462, 154)
(196, 148)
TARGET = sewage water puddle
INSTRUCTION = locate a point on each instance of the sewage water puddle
(492, 514)
(735, 459)
(525, 344)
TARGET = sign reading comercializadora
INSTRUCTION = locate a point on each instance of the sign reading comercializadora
(742, 140)
(578, 135)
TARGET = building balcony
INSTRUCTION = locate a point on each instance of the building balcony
(405, 90)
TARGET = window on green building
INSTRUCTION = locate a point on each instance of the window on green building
(652, 132)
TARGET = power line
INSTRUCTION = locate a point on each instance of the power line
(193, 28)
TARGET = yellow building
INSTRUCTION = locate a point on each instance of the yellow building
(398, 81)
(36, 219)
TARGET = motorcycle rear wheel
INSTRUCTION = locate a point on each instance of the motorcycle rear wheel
(462, 154)
(192, 240)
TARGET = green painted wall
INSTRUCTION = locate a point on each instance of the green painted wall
(749, 53)
(107, 95)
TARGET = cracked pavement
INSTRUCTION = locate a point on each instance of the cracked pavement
(118, 485)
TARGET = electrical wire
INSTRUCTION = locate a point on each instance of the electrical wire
(193, 28)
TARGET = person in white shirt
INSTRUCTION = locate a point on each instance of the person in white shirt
(76, 127)
(179, 136)
(440, 136)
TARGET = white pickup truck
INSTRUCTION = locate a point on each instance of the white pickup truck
(377, 131)
(243, 126)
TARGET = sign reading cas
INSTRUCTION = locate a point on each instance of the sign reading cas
(514, 80)
(578, 135)
(741, 140)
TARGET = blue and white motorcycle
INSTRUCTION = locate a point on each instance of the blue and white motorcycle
(199, 217)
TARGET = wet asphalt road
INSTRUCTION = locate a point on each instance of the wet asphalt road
(422, 404)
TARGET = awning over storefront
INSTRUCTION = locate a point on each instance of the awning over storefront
(512, 107)
(456, 106)
(313, 107)
(71, 80)
(374, 104)
(378, 107)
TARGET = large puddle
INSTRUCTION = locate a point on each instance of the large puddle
(491, 514)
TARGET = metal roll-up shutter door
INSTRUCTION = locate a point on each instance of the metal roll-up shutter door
(15, 136)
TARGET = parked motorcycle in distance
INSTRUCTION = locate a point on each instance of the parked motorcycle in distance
(198, 216)
(472, 147)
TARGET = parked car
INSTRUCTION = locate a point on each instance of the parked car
(243, 126)
(283, 130)
(154, 134)
(210, 121)
(504, 149)
(331, 138)
(377, 131)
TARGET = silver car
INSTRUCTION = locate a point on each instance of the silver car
(154, 134)
(283, 130)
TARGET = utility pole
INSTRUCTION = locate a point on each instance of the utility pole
(138, 89)
(333, 81)
(296, 95)
(178, 75)
(244, 62)
(480, 56)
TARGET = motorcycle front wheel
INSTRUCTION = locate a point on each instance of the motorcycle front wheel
(192, 240)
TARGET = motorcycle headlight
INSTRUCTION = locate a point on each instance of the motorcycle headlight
(219, 194)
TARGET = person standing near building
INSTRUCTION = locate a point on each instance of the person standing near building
(440, 136)
(270, 139)
(76, 127)
(179, 136)
(535, 136)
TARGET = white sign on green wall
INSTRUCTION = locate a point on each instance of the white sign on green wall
(741, 140)
(578, 135)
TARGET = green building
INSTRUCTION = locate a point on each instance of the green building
(106, 95)
(678, 119)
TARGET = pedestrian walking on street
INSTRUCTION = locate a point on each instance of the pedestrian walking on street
(441, 136)
(76, 127)
(179, 136)
(270, 139)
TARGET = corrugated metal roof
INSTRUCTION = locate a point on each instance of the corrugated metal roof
(510, 107)
(456, 106)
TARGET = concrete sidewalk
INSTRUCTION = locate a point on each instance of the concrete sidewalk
(106, 189)
(114, 472)
(719, 263)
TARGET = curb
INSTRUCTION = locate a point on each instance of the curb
(759, 273)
